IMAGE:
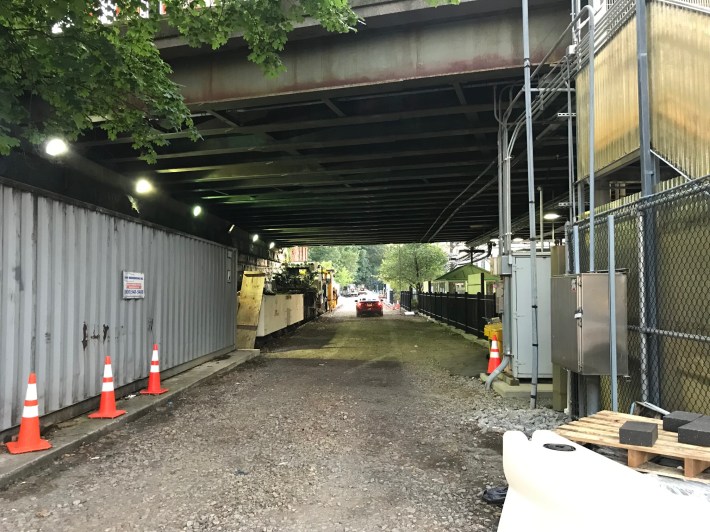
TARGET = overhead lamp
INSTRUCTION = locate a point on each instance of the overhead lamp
(55, 147)
(143, 186)
(551, 216)
(272, 245)
(196, 211)
(231, 228)
(254, 237)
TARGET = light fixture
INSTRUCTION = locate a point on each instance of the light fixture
(55, 147)
(143, 186)
(551, 216)
(272, 245)
(196, 211)
(231, 228)
(254, 238)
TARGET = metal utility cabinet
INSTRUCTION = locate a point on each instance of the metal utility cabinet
(580, 323)
(521, 335)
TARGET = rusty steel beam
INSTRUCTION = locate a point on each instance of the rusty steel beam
(460, 48)
(251, 143)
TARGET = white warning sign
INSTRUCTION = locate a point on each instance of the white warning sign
(133, 285)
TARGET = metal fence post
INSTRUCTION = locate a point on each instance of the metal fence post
(480, 313)
(465, 312)
(649, 179)
(612, 314)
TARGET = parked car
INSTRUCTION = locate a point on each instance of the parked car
(369, 304)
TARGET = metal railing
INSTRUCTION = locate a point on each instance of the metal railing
(468, 312)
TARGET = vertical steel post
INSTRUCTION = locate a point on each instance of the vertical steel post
(531, 203)
(542, 227)
(570, 145)
(591, 143)
(649, 179)
(506, 259)
(612, 315)
(642, 306)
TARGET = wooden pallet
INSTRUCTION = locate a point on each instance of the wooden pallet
(603, 427)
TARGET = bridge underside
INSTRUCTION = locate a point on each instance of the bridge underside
(373, 137)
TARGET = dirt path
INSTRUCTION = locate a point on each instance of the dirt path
(347, 424)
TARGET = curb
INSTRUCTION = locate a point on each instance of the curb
(70, 435)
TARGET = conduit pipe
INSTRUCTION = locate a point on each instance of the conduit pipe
(493, 376)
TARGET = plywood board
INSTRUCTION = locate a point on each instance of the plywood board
(249, 307)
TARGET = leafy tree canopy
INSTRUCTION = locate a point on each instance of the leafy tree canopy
(357, 264)
(68, 64)
(407, 265)
(369, 265)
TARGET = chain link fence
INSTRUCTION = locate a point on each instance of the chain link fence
(663, 243)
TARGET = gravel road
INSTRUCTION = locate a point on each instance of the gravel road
(345, 424)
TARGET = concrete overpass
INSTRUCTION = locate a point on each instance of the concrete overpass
(369, 137)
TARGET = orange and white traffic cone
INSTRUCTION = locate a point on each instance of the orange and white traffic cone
(494, 358)
(154, 376)
(107, 407)
(29, 439)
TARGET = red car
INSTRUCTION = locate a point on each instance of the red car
(369, 305)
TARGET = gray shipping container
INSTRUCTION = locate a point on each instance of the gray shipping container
(62, 308)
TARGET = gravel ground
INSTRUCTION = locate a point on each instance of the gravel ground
(346, 424)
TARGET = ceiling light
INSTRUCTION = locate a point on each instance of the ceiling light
(143, 186)
(254, 238)
(196, 211)
(272, 245)
(551, 216)
(231, 228)
(55, 147)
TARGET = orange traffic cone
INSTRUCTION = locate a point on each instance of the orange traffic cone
(107, 407)
(29, 439)
(154, 376)
(494, 359)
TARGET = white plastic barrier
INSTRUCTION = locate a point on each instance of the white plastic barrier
(278, 312)
(582, 491)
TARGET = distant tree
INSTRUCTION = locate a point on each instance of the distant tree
(340, 258)
(364, 275)
(369, 265)
(407, 265)
(344, 276)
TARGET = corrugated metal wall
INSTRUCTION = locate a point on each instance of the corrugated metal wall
(616, 109)
(61, 306)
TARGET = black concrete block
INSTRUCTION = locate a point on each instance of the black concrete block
(677, 419)
(696, 432)
(638, 433)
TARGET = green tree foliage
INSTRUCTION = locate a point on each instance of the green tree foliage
(407, 265)
(68, 64)
(369, 265)
(353, 264)
(342, 258)
(344, 276)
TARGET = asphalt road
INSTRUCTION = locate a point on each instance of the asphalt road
(346, 424)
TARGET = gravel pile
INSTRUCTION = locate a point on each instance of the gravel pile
(499, 419)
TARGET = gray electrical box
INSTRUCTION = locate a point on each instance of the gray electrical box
(521, 336)
(580, 323)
